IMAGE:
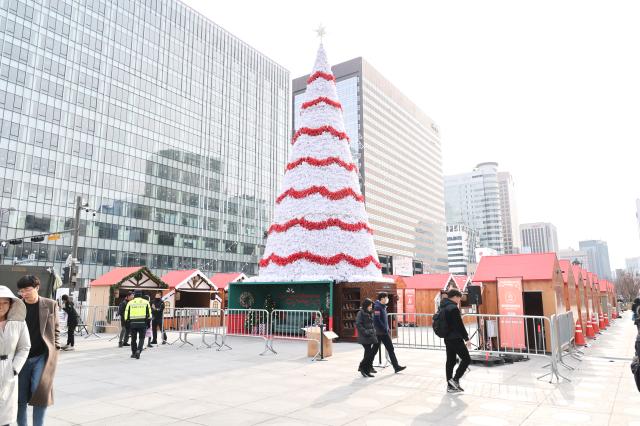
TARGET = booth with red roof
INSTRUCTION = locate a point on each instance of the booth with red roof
(110, 288)
(190, 289)
(570, 291)
(222, 281)
(522, 284)
(422, 294)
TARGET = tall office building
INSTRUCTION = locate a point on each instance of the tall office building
(598, 252)
(509, 211)
(539, 237)
(474, 200)
(173, 130)
(397, 150)
(573, 255)
(462, 243)
(633, 265)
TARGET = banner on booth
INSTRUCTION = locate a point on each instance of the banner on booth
(510, 303)
(410, 304)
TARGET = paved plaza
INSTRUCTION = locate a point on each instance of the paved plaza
(99, 384)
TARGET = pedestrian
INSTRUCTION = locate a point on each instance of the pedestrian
(157, 311)
(72, 321)
(138, 317)
(147, 333)
(381, 323)
(35, 381)
(124, 328)
(366, 337)
(456, 340)
(14, 347)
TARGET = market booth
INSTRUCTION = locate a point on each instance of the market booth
(222, 281)
(423, 294)
(583, 306)
(190, 289)
(521, 284)
(570, 291)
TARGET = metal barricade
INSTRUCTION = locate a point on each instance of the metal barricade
(296, 325)
(565, 332)
(248, 323)
(418, 335)
(200, 321)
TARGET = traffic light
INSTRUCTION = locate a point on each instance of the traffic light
(37, 239)
(65, 274)
(15, 242)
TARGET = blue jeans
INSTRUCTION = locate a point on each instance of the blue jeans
(28, 381)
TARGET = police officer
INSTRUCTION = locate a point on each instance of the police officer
(138, 317)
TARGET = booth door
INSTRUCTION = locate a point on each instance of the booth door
(192, 299)
(532, 301)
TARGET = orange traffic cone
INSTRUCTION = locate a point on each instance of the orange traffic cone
(594, 323)
(606, 320)
(590, 333)
(602, 324)
(579, 336)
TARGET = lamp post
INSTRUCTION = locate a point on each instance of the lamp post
(3, 211)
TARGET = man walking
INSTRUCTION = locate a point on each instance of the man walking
(72, 321)
(35, 381)
(381, 323)
(157, 310)
(124, 328)
(456, 340)
(137, 314)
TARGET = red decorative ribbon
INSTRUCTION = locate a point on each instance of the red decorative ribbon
(319, 74)
(321, 260)
(318, 226)
(322, 163)
(318, 131)
(323, 99)
(322, 190)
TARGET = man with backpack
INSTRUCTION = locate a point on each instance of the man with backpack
(447, 323)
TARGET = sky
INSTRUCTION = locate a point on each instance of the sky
(548, 89)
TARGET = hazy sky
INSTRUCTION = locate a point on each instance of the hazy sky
(548, 89)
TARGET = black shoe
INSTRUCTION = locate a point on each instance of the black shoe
(133, 355)
(119, 344)
(149, 345)
(154, 343)
(455, 384)
(451, 389)
(372, 371)
(399, 368)
(126, 344)
(138, 355)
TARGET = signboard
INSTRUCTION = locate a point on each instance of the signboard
(410, 305)
(403, 266)
(510, 303)
(400, 304)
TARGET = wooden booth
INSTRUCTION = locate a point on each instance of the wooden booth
(583, 306)
(521, 284)
(570, 291)
(424, 292)
(222, 281)
(190, 289)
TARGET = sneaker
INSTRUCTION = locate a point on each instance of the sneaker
(400, 368)
(126, 344)
(451, 389)
(68, 348)
(133, 355)
(372, 370)
(456, 384)
(119, 344)
(138, 355)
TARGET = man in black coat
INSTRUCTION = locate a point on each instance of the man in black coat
(380, 321)
(124, 328)
(456, 340)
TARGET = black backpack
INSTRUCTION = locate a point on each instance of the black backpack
(440, 324)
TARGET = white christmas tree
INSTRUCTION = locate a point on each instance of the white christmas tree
(321, 229)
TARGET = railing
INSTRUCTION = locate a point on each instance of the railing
(199, 321)
(248, 323)
(296, 325)
(414, 331)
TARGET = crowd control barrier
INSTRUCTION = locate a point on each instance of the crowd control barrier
(248, 323)
(295, 325)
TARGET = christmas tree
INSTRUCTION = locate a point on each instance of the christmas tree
(321, 229)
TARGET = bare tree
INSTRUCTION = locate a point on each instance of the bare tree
(628, 286)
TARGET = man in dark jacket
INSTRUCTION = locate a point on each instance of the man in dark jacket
(157, 311)
(72, 321)
(456, 340)
(381, 322)
(124, 327)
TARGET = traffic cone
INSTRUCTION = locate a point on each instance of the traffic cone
(590, 333)
(579, 336)
(594, 323)
(602, 324)
(606, 320)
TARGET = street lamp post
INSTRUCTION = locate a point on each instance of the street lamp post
(3, 211)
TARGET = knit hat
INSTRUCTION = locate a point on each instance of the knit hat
(6, 292)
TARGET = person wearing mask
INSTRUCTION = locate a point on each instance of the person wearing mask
(381, 323)
(14, 350)
(124, 328)
(137, 314)
(366, 337)
(35, 381)
(72, 321)
(157, 311)
(456, 340)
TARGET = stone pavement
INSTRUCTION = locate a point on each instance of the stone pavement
(99, 384)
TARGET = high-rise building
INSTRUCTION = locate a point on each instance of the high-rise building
(172, 129)
(474, 200)
(598, 252)
(539, 237)
(462, 242)
(509, 210)
(397, 150)
(633, 265)
(573, 255)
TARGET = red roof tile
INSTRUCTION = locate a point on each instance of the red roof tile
(114, 276)
(428, 281)
(531, 267)
(567, 269)
(173, 278)
(222, 280)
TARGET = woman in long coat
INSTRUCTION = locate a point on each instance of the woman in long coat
(14, 349)
(366, 337)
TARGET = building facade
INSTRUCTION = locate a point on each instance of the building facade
(633, 265)
(397, 150)
(509, 211)
(539, 237)
(172, 130)
(598, 252)
(474, 200)
(462, 242)
(573, 255)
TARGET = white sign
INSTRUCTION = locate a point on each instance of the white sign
(403, 266)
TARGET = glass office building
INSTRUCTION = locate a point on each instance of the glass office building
(173, 130)
(397, 150)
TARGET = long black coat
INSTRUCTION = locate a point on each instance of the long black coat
(366, 330)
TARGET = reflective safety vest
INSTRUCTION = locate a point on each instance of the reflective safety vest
(137, 310)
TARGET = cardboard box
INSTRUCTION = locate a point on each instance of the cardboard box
(313, 333)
